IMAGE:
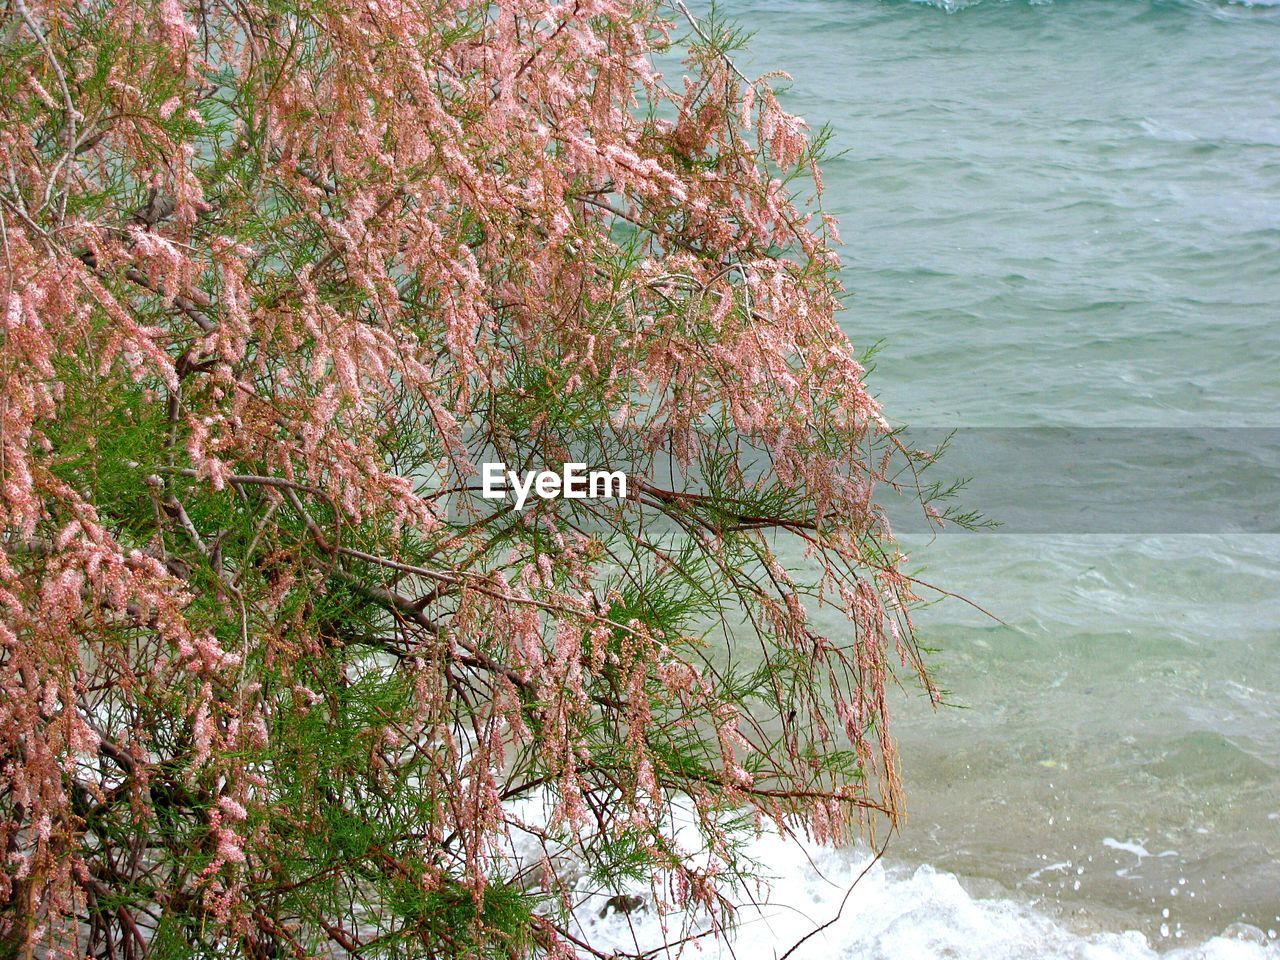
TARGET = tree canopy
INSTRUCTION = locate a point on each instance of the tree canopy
(279, 276)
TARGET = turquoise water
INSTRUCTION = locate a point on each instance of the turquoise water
(1069, 213)
(1062, 213)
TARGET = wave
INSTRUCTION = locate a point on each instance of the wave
(878, 912)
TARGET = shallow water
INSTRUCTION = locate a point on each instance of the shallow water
(1069, 214)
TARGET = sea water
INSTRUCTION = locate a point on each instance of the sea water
(1059, 214)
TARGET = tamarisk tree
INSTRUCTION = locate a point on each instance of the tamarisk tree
(279, 276)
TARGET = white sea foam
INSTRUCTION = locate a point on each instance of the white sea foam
(892, 913)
